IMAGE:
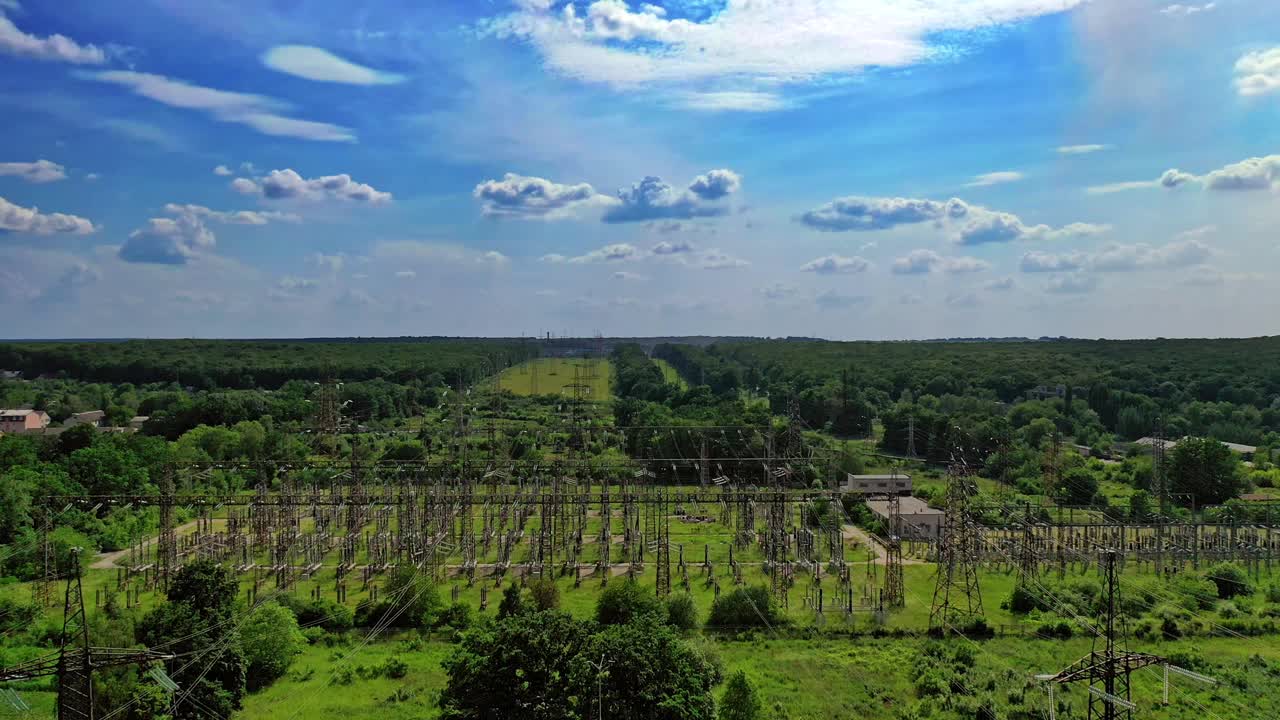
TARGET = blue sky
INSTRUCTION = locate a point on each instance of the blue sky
(838, 168)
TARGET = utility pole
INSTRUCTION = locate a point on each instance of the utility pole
(1107, 672)
(76, 658)
(957, 598)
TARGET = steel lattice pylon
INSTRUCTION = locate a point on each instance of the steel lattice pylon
(76, 658)
(957, 598)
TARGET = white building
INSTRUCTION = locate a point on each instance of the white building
(899, 483)
(916, 520)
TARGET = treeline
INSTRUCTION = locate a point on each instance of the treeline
(247, 364)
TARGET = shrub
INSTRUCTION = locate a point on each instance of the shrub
(624, 600)
(749, 607)
(330, 615)
(1198, 593)
(740, 700)
(682, 613)
(1021, 600)
(394, 667)
(1231, 580)
(456, 616)
(512, 603)
(271, 640)
(544, 593)
(1273, 592)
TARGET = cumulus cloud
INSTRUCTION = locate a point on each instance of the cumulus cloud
(718, 260)
(53, 48)
(320, 65)
(232, 217)
(653, 199)
(40, 171)
(758, 43)
(918, 262)
(1211, 276)
(995, 178)
(492, 257)
(406, 274)
(520, 196)
(1000, 285)
(832, 264)
(222, 171)
(168, 241)
(1122, 258)
(1258, 72)
(553, 258)
(672, 247)
(969, 224)
(19, 219)
(1073, 284)
(258, 112)
(625, 275)
(1255, 173)
(76, 277)
(1080, 149)
(963, 300)
(618, 252)
(287, 184)
(292, 283)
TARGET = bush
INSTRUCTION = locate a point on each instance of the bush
(751, 607)
(394, 667)
(682, 613)
(623, 601)
(327, 614)
(1273, 593)
(1198, 593)
(1231, 580)
(457, 616)
(740, 700)
(512, 603)
(271, 640)
(1021, 600)
(544, 593)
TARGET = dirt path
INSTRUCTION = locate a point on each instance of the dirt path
(853, 532)
(108, 561)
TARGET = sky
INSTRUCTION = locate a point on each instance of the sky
(847, 169)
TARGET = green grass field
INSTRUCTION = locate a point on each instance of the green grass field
(670, 374)
(553, 376)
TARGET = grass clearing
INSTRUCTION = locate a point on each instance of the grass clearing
(554, 376)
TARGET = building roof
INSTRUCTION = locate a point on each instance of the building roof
(909, 505)
(1235, 447)
(90, 415)
(899, 476)
(20, 413)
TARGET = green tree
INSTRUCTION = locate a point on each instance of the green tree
(623, 600)
(512, 602)
(197, 620)
(271, 640)
(544, 593)
(516, 667)
(649, 674)
(1230, 579)
(745, 607)
(682, 613)
(1206, 470)
(740, 700)
(1140, 505)
(1078, 486)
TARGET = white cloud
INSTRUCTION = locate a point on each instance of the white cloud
(969, 224)
(910, 299)
(287, 184)
(18, 219)
(715, 259)
(653, 199)
(963, 300)
(1001, 285)
(168, 241)
(92, 176)
(1258, 72)
(918, 262)
(292, 283)
(1211, 276)
(255, 111)
(1074, 284)
(553, 258)
(996, 178)
(1080, 149)
(40, 171)
(618, 252)
(729, 100)
(1255, 173)
(232, 217)
(832, 264)
(764, 43)
(313, 63)
(55, 48)
(222, 171)
(1177, 10)
(625, 275)
(520, 196)
(493, 257)
(406, 274)
(672, 247)
(1122, 258)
